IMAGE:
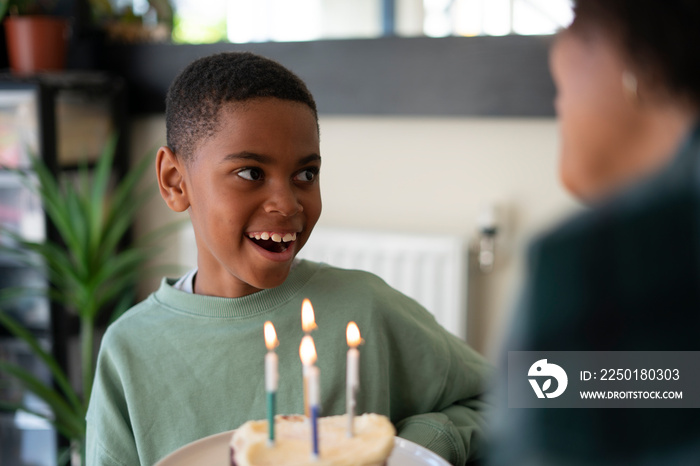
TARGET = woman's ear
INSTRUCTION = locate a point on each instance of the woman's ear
(171, 180)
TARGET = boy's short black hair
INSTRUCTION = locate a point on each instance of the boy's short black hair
(196, 95)
(662, 38)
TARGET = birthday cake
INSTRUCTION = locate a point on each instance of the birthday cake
(370, 445)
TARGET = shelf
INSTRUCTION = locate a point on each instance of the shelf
(83, 81)
(26, 439)
(64, 118)
(10, 179)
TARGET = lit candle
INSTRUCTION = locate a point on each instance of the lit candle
(308, 323)
(271, 377)
(352, 378)
(307, 352)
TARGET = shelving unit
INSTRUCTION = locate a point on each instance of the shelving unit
(64, 118)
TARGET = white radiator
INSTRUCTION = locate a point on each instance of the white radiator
(432, 269)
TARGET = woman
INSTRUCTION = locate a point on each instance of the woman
(625, 275)
(628, 90)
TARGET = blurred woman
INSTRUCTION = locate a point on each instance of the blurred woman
(625, 275)
(628, 90)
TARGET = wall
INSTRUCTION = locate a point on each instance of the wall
(482, 76)
(423, 175)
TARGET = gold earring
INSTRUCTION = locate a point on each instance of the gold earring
(630, 85)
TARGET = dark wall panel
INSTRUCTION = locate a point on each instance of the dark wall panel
(479, 76)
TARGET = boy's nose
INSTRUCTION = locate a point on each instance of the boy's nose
(283, 200)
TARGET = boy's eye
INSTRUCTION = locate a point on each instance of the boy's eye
(307, 175)
(251, 174)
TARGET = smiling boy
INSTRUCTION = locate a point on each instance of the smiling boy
(252, 192)
(243, 159)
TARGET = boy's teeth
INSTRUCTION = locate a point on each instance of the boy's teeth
(276, 237)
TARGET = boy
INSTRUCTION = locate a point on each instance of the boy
(243, 159)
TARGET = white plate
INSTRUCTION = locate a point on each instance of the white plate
(213, 451)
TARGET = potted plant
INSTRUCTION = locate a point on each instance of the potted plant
(36, 39)
(126, 25)
(89, 271)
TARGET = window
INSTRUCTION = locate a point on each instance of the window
(241, 21)
(495, 17)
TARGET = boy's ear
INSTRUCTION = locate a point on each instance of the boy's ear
(171, 180)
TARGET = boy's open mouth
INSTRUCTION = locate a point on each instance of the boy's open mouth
(273, 242)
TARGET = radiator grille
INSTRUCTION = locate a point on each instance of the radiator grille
(432, 269)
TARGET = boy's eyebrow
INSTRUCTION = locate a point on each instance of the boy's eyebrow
(264, 159)
(310, 158)
(248, 156)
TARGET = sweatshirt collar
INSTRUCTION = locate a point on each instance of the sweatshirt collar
(243, 307)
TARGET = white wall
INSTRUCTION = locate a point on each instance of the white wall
(424, 175)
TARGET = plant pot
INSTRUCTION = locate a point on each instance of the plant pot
(36, 43)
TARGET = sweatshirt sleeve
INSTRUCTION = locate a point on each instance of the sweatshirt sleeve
(455, 425)
(441, 382)
(110, 440)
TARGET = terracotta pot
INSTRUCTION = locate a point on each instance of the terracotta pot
(36, 43)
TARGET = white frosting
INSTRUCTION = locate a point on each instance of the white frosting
(371, 444)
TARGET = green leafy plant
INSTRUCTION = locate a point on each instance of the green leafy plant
(99, 9)
(26, 7)
(89, 270)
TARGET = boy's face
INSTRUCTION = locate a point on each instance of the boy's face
(257, 177)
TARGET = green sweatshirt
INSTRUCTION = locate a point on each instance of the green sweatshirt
(178, 367)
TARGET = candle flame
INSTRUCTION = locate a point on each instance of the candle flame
(352, 335)
(271, 340)
(307, 350)
(308, 321)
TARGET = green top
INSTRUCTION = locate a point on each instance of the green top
(180, 366)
